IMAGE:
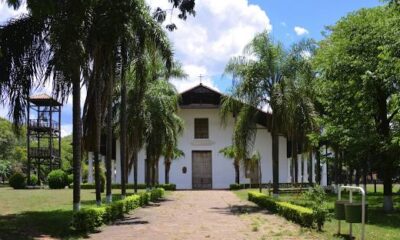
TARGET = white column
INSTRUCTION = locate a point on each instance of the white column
(305, 176)
(118, 162)
(289, 172)
(90, 167)
(313, 167)
(103, 161)
(299, 160)
(113, 171)
(324, 175)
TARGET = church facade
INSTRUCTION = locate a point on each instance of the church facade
(204, 135)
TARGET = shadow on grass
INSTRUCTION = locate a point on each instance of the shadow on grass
(41, 224)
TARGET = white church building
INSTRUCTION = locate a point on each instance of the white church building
(203, 166)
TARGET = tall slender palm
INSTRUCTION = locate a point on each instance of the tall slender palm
(49, 43)
(231, 153)
(256, 74)
(152, 68)
(162, 125)
(263, 75)
(171, 152)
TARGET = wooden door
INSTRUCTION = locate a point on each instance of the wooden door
(201, 170)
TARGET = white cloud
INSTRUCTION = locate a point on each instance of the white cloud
(300, 31)
(66, 129)
(6, 13)
(219, 31)
(283, 24)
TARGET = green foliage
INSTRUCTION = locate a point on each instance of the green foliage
(298, 214)
(88, 219)
(167, 187)
(263, 201)
(57, 179)
(70, 179)
(17, 181)
(236, 186)
(318, 199)
(34, 180)
(358, 88)
(5, 168)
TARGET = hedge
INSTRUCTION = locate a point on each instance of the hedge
(167, 187)
(88, 219)
(236, 186)
(298, 214)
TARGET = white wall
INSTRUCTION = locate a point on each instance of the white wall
(223, 173)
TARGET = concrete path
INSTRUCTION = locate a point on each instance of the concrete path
(202, 215)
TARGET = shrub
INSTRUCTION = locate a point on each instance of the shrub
(236, 186)
(57, 179)
(263, 201)
(17, 181)
(156, 193)
(88, 219)
(301, 215)
(317, 198)
(70, 179)
(144, 198)
(167, 187)
(34, 180)
(298, 214)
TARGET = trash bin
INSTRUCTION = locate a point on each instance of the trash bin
(353, 212)
(339, 209)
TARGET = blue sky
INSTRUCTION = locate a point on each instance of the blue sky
(222, 28)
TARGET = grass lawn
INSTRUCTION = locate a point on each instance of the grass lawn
(40, 213)
(380, 225)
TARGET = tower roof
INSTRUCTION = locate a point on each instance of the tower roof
(44, 100)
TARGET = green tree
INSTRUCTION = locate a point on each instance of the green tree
(358, 73)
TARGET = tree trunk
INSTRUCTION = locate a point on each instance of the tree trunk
(148, 172)
(123, 123)
(109, 150)
(357, 177)
(77, 138)
(97, 147)
(237, 171)
(387, 189)
(383, 126)
(135, 170)
(153, 174)
(167, 168)
(275, 163)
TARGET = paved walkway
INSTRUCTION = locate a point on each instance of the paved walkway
(202, 215)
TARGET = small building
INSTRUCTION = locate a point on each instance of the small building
(203, 166)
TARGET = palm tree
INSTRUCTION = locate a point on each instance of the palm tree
(171, 152)
(231, 153)
(262, 78)
(148, 69)
(256, 74)
(45, 45)
(163, 124)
